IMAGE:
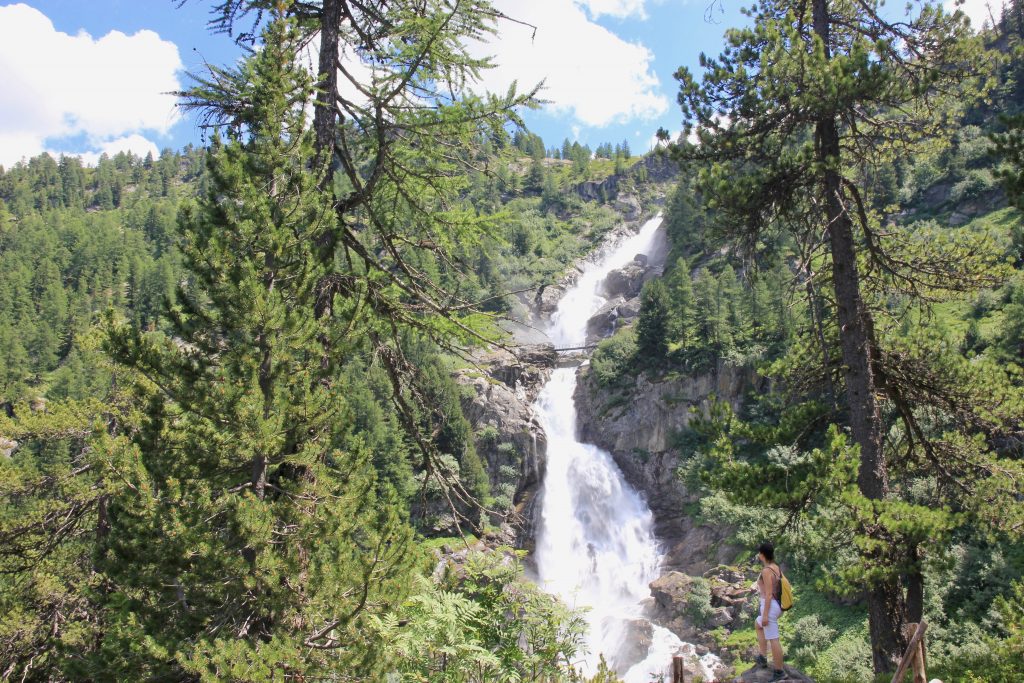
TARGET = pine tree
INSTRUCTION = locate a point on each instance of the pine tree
(400, 217)
(652, 327)
(1009, 144)
(253, 542)
(790, 120)
(680, 287)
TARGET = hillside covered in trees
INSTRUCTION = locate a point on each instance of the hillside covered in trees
(233, 445)
(930, 529)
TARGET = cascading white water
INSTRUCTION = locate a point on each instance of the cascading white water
(595, 543)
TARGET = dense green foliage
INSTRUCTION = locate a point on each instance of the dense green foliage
(75, 241)
(943, 324)
(228, 420)
(225, 374)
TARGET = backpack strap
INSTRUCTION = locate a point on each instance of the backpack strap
(777, 593)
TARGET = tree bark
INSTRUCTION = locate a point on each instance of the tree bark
(886, 607)
(915, 586)
(325, 110)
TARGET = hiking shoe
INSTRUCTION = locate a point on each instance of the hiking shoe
(761, 661)
(778, 675)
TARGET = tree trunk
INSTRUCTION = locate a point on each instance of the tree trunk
(915, 586)
(325, 111)
(886, 608)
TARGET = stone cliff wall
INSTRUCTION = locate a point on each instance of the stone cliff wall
(498, 404)
(637, 426)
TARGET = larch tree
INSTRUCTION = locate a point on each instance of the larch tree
(398, 125)
(790, 124)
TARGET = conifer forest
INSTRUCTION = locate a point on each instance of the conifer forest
(282, 403)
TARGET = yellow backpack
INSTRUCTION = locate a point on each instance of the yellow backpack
(785, 592)
(786, 598)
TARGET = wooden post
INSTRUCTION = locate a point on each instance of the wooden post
(678, 670)
(914, 654)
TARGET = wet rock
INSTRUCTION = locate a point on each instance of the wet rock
(637, 639)
(630, 309)
(626, 281)
(547, 298)
(604, 323)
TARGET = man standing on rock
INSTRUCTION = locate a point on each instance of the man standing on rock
(769, 587)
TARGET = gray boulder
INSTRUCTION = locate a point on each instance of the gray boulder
(629, 206)
(630, 308)
(671, 591)
(636, 642)
(626, 281)
(8, 447)
(547, 298)
(604, 323)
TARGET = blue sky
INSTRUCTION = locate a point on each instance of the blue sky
(86, 77)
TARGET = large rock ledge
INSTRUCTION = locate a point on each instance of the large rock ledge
(637, 426)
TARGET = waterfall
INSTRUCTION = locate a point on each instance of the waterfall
(596, 547)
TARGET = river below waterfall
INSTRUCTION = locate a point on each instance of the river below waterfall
(596, 547)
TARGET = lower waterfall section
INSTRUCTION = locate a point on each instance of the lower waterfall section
(596, 547)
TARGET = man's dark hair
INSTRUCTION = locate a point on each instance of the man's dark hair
(768, 550)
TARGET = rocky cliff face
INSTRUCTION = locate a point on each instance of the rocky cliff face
(498, 404)
(653, 167)
(637, 426)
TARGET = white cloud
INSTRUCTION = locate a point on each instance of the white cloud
(981, 12)
(615, 8)
(134, 143)
(109, 90)
(588, 71)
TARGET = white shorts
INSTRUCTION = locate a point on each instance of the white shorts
(771, 631)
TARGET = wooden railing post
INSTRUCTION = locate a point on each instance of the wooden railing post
(914, 655)
(678, 670)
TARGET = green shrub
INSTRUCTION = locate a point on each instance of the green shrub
(614, 357)
(810, 638)
(698, 600)
(977, 182)
(848, 660)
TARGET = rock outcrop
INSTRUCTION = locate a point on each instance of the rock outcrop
(605, 321)
(498, 404)
(652, 167)
(629, 206)
(8, 447)
(546, 300)
(626, 282)
(691, 606)
(638, 425)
